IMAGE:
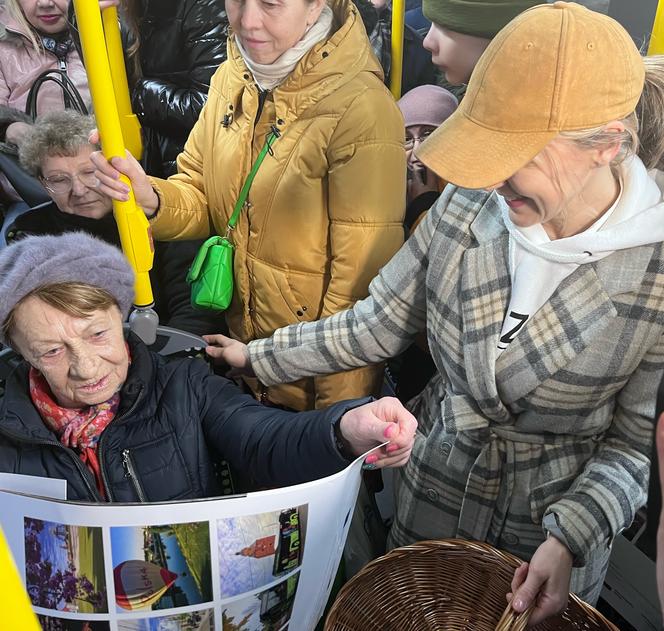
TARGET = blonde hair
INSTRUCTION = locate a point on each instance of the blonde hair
(79, 300)
(16, 12)
(644, 128)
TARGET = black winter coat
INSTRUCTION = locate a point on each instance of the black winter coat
(172, 294)
(174, 419)
(182, 43)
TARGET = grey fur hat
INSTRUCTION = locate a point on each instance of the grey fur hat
(35, 262)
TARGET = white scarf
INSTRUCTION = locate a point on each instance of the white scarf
(269, 76)
(538, 265)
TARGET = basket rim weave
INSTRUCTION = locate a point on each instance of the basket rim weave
(457, 545)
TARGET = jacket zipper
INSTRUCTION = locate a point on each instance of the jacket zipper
(130, 473)
(100, 451)
(262, 97)
(83, 471)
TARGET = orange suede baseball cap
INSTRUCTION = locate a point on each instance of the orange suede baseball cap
(556, 67)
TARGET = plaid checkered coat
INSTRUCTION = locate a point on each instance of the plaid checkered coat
(560, 423)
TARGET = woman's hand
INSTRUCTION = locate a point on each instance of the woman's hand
(543, 582)
(104, 4)
(370, 425)
(110, 184)
(231, 352)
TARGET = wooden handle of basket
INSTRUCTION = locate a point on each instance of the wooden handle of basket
(513, 621)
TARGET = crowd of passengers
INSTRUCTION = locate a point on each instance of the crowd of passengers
(495, 238)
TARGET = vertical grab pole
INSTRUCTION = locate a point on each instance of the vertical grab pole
(131, 128)
(656, 46)
(14, 603)
(133, 226)
(396, 70)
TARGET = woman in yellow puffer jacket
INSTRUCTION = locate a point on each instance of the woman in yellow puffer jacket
(326, 207)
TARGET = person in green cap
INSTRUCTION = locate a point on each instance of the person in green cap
(462, 29)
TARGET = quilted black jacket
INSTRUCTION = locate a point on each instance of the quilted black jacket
(183, 42)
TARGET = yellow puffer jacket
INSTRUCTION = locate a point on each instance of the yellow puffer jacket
(325, 210)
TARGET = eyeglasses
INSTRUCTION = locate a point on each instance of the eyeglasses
(410, 142)
(62, 183)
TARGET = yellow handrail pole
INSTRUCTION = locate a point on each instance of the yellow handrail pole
(656, 46)
(14, 603)
(396, 70)
(131, 128)
(132, 224)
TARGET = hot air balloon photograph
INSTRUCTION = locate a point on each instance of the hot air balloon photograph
(51, 623)
(202, 620)
(267, 610)
(255, 550)
(64, 566)
(161, 567)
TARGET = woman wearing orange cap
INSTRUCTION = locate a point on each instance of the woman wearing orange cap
(542, 294)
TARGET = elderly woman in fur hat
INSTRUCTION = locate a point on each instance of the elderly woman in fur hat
(121, 423)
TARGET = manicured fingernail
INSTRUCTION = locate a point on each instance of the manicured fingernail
(368, 467)
(388, 431)
(390, 448)
(519, 605)
(373, 459)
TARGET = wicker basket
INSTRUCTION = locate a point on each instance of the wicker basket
(447, 585)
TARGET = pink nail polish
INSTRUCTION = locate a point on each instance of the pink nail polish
(388, 431)
(371, 459)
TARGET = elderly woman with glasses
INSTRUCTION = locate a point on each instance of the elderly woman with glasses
(57, 151)
(121, 423)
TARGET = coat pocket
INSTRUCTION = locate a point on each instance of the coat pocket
(159, 469)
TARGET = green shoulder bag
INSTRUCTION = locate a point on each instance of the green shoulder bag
(211, 273)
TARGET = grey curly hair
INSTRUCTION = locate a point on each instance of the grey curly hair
(61, 133)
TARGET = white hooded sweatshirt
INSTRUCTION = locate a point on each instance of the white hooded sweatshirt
(538, 265)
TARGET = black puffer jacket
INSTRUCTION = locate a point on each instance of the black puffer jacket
(173, 417)
(182, 44)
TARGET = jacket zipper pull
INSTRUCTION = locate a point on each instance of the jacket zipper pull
(125, 463)
(131, 474)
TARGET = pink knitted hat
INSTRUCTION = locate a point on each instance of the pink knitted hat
(427, 105)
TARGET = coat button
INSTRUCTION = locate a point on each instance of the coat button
(446, 448)
(432, 494)
(510, 539)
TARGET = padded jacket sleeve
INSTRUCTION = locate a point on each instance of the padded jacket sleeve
(271, 446)
(183, 208)
(169, 107)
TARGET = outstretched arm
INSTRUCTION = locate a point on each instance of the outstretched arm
(277, 447)
(376, 328)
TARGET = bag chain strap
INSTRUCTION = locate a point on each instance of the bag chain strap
(270, 139)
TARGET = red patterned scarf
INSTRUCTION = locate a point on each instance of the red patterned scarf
(77, 428)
